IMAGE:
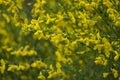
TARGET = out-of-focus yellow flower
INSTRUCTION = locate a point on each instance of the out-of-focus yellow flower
(58, 65)
(107, 53)
(12, 68)
(38, 35)
(98, 35)
(112, 16)
(80, 61)
(21, 67)
(116, 56)
(111, 11)
(24, 51)
(89, 7)
(2, 67)
(117, 23)
(38, 64)
(115, 72)
(72, 17)
(106, 44)
(41, 76)
(51, 67)
(1, 1)
(107, 3)
(23, 77)
(101, 60)
(19, 4)
(91, 22)
(82, 3)
(98, 47)
(105, 74)
(60, 57)
(6, 17)
(49, 19)
(69, 60)
(54, 74)
(39, 3)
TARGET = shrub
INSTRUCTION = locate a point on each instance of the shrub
(59, 40)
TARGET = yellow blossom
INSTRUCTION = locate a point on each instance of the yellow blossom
(69, 60)
(21, 67)
(116, 56)
(2, 67)
(107, 3)
(12, 68)
(98, 47)
(105, 74)
(49, 19)
(117, 23)
(72, 17)
(38, 35)
(41, 76)
(101, 60)
(6, 17)
(89, 7)
(58, 65)
(1, 1)
(60, 57)
(115, 72)
(80, 61)
(38, 64)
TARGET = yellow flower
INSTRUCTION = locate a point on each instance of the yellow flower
(111, 11)
(107, 3)
(32, 52)
(105, 74)
(60, 57)
(58, 73)
(21, 67)
(106, 44)
(2, 67)
(117, 23)
(6, 17)
(51, 67)
(116, 56)
(82, 3)
(49, 19)
(53, 75)
(1, 1)
(89, 7)
(115, 72)
(107, 53)
(38, 64)
(27, 66)
(12, 68)
(41, 76)
(58, 65)
(80, 61)
(38, 35)
(98, 47)
(19, 4)
(101, 60)
(69, 60)
(91, 22)
(112, 16)
(72, 17)
(98, 35)
(24, 51)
